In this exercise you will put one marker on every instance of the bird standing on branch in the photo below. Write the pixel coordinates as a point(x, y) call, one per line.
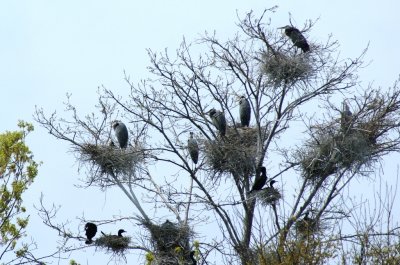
point(90, 232)
point(297, 38)
point(260, 180)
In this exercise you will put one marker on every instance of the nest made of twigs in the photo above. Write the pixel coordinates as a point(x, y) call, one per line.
point(269, 196)
point(235, 153)
point(332, 149)
point(111, 158)
point(171, 241)
point(307, 226)
point(117, 244)
point(280, 67)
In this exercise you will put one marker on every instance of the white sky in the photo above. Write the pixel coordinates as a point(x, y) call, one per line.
point(49, 48)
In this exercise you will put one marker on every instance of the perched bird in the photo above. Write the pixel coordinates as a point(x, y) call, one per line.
point(91, 230)
point(121, 132)
point(297, 38)
point(271, 183)
point(120, 232)
point(193, 148)
point(346, 117)
point(244, 111)
point(218, 119)
point(192, 257)
point(261, 178)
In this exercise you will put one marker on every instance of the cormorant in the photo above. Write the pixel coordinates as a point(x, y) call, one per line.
point(272, 182)
point(91, 230)
point(346, 117)
point(261, 178)
point(121, 132)
point(218, 119)
point(193, 148)
point(192, 257)
point(297, 38)
point(120, 232)
point(244, 111)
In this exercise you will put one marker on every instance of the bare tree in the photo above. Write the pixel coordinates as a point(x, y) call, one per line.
point(276, 225)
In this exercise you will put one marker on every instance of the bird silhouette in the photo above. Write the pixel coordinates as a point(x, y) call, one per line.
point(297, 38)
point(121, 132)
point(192, 257)
point(218, 119)
point(244, 111)
point(260, 180)
point(90, 232)
point(193, 148)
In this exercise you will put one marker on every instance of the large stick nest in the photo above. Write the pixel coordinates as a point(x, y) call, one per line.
point(170, 241)
point(334, 147)
point(285, 68)
point(106, 159)
point(235, 153)
point(116, 244)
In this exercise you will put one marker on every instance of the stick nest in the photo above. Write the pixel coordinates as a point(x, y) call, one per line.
point(235, 153)
point(280, 67)
point(307, 227)
point(112, 159)
point(116, 244)
point(269, 196)
point(171, 241)
point(331, 150)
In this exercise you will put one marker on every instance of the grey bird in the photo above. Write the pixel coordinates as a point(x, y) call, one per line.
point(193, 148)
point(244, 111)
point(260, 180)
point(346, 117)
point(297, 38)
point(218, 119)
point(121, 132)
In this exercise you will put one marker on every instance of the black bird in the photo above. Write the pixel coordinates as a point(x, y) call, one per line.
point(121, 132)
point(91, 230)
point(244, 111)
point(218, 119)
point(261, 178)
point(297, 38)
point(120, 232)
point(192, 257)
point(193, 148)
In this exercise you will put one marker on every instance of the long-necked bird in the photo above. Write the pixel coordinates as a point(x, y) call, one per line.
point(260, 180)
point(297, 38)
point(218, 119)
point(121, 132)
point(346, 117)
point(193, 148)
point(244, 111)
point(90, 232)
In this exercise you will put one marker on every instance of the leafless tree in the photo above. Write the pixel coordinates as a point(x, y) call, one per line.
point(287, 90)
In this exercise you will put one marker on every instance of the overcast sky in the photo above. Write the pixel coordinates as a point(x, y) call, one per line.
point(50, 48)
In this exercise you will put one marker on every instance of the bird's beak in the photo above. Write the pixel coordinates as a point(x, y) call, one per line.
point(281, 27)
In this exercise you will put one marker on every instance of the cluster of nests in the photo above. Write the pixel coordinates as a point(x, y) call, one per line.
point(347, 144)
point(171, 242)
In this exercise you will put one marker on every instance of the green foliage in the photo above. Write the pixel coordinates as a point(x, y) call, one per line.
point(17, 172)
